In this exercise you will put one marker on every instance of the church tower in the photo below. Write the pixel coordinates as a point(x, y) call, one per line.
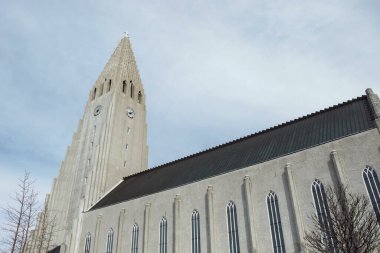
point(110, 143)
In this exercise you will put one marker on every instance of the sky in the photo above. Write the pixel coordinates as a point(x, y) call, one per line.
point(213, 71)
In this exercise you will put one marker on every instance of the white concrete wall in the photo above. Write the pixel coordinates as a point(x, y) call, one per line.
point(355, 152)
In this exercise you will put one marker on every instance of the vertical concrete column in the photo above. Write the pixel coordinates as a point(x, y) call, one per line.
point(120, 229)
point(211, 219)
point(97, 233)
point(177, 217)
point(88, 196)
point(339, 170)
point(96, 174)
point(146, 227)
point(63, 248)
point(32, 239)
point(37, 232)
point(295, 207)
point(78, 230)
point(68, 242)
point(248, 195)
point(53, 195)
point(374, 103)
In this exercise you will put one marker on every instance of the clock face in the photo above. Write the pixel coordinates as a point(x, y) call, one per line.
point(97, 110)
point(130, 112)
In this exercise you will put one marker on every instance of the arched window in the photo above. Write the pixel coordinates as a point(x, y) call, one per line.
point(87, 243)
point(135, 238)
point(139, 97)
point(275, 223)
point(233, 234)
point(109, 85)
point(109, 241)
point(323, 213)
point(132, 89)
point(124, 88)
point(94, 94)
point(163, 235)
point(372, 185)
point(195, 233)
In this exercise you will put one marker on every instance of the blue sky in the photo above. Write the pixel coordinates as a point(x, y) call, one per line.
point(213, 71)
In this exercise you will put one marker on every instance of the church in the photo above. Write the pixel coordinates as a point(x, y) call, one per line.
point(253, 194)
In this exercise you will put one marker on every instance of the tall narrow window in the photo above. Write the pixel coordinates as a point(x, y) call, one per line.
point(139, 97)
point(94, 94)
point(195, 233)
point(132, 89)
point(323, 214)
point(124, 88)
point(372, 185)
point(109, 85)
point(135, 238)
point(232, 226)
point(163, 235)
point(109, 241)
point(87, 243)
point(275, 223)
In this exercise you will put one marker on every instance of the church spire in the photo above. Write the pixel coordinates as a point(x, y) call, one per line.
point(122, 62)
point(121, 67)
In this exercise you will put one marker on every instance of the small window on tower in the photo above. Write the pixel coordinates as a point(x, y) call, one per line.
point(109, 85)
point(126, 146)
point(124, 88)
point(132, 89)
point(139, 97)
point(94, 94)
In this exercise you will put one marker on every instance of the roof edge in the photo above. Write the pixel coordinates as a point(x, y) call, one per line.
point(251, 135)
point(104, 195)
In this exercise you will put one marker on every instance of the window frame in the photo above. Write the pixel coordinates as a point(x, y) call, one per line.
point(322, 212)
point(109, 243)
point(135, 238)
point(373, 188)
point(87, 243)
point(232, 228)
point(195, 232)
point(163, 236)
point(275, 224)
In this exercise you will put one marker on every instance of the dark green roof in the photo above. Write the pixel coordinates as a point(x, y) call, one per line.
point(333, 123)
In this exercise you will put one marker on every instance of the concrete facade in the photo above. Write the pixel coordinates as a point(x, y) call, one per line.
point(290, 177)
point(110, 144)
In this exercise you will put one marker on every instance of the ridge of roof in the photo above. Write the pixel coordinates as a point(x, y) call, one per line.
point(250, 136)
